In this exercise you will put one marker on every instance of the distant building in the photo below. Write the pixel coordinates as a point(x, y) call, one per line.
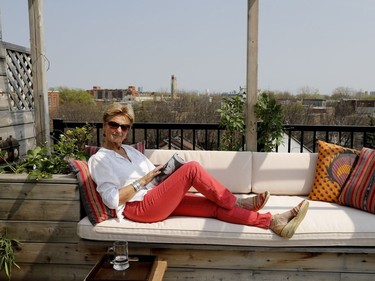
point(365, 107)
point(53, 102)
point(314, 102)
point(112, 95)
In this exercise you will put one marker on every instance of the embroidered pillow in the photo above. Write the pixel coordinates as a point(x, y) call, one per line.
point(359, 191)
point(92, 202)
point(332, 171)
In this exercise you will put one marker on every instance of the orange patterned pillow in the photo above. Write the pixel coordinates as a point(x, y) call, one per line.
point(332, 171)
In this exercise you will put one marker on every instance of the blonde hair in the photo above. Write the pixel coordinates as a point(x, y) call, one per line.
point(118, 109)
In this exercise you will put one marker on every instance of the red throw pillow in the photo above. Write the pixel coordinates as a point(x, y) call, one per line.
point(92, 202)
point(359, 190)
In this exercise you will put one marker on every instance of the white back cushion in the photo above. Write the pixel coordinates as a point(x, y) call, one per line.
point(231, 168)
point(283, 173)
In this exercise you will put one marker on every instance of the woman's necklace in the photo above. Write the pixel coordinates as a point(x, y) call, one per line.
point(123, 153)
point(120, 150)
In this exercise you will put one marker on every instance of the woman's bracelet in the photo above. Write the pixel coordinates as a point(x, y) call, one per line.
point(137, 185)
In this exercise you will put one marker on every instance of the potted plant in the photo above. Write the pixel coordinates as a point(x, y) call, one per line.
point(41, 163)
point(7, 257)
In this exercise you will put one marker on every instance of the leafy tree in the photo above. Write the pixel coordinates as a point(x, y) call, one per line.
point(232, 118)
point(270, 126)
point(342, 93)
point(74, 95)
point(294, 113)
point(77, 104)
point(309, 93)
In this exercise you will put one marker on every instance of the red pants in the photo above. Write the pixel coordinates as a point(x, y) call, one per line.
point(171, 198)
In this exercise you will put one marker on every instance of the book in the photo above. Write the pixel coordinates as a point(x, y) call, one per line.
point(172, 165)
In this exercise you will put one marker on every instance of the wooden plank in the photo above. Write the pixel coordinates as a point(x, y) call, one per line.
point(50, 272)
point(65, 253)
point(47, 232)
point(39, 210)
point(357, 277)
point(215, 259)
point(158, 271)
point(177, 274)
point(20, 132)
point(17, 48)
point(57, 272)
point(13, 118)
point(32, 190)
point(306, 249)
point(256, 260)
point(23, 178)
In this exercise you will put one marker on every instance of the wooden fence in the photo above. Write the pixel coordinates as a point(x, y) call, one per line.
point(16, 96)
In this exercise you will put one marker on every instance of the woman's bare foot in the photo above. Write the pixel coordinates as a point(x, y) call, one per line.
point(253, 203)
point(286, 224)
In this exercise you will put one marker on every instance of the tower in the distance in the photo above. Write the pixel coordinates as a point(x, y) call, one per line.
point(173, 87)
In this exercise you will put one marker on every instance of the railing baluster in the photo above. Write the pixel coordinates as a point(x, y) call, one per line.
point(289, 140)
point(157, 139)
point(364, 139)
point(352, 139)
point(194, 140)
point(314, 141)
point(302, 140)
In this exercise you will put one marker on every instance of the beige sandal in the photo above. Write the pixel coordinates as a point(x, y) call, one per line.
point(254, 203)
point(287, 230)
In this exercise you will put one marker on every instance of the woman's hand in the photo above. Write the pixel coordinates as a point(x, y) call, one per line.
point(127, 192)
point(150, 175)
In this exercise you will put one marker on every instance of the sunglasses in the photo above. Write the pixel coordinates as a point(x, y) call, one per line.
point(115, 125)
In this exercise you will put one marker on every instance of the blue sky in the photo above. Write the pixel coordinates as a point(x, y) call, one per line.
point(318, 45)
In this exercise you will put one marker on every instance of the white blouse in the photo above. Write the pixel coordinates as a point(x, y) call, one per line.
point(111, 172)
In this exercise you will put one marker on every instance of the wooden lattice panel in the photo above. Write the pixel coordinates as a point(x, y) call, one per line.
point(18, 68)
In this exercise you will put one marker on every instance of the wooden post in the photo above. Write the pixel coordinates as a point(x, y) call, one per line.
point(38, 60)
point(252, 74)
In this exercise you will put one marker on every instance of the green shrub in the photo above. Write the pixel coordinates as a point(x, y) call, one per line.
point(40, 162)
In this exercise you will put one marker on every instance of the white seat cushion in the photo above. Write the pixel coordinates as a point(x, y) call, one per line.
point(326, 224)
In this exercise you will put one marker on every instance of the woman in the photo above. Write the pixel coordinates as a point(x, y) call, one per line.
point(121, 172)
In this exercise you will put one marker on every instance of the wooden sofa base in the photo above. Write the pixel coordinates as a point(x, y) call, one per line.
point(204, 262)
point(197, 262)
point(44, 217)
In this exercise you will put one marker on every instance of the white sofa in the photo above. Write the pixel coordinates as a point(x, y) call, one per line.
point(288, 176)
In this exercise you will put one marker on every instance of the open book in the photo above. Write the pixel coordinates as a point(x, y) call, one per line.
point(169, 168)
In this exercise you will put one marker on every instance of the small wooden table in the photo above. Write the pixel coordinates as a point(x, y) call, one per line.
point(142, 268)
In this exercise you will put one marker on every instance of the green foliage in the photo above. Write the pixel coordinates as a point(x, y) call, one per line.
point(74, 96)
point(270, 126)
point(41, 163)
point(7, 258)
point(232, 118)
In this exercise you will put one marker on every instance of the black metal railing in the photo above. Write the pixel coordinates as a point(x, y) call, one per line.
point(348, 136)
point(208, 136)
